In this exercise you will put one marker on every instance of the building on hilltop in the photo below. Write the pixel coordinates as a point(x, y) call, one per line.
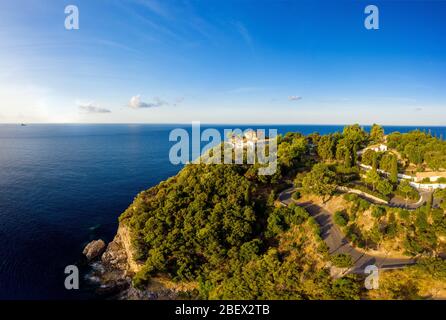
point(249, 138)
point(377, 148)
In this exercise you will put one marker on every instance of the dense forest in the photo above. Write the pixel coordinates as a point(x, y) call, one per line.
point(420, 148)
point(211, 224)
point(411, 232)
point(220, 226)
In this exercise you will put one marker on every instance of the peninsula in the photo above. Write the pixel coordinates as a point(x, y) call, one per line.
point(337, 204)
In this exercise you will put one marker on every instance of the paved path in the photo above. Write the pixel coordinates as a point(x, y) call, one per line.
point(394, 202)
point(424, 197)
point(336, 241)
point(362, 194)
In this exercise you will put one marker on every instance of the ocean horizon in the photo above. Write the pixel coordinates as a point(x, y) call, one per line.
point(62, 186)
point(244, 124)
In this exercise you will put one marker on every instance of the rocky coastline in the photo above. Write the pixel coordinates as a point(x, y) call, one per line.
point(112, 268)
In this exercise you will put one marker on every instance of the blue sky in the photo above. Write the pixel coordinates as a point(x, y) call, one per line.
point(215, 61)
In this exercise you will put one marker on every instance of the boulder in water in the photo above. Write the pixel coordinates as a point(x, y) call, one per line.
point(94, 249)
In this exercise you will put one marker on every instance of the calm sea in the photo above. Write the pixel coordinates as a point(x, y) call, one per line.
point(62, 186)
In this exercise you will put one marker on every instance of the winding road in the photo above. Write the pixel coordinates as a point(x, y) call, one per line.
point(338, 244)
point(424, 197)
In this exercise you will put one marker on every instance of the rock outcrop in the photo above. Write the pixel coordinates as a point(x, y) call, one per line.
point(114, 271)
point(94, 249)
point(120, 253)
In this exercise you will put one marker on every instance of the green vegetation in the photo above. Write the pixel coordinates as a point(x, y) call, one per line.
point(340, 218)
point(424, 280)
point(393, 170)
point(440, 194)
point(296, 195)
point(384, 187)
point(407, 191)
point(376, 133)
point(368, 190)
point(342, 260)
point(212, 225)
point(320, 181)
point(218, 226)
point(420, 148)
point(411, 232)
point(372, 178)
point(327, 147)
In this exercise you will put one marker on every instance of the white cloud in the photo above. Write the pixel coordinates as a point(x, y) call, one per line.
point(294, 98)
point(92, 108)
point(136, 103)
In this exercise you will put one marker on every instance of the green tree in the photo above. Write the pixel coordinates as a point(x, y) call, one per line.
point(340, 218)
point(342, 260)
point(348, 159)
point(346, 288)
point(367, 157)
point(355, 154)
point(377, 133)
point(290, 153)
point(405, 188)
point(372, 178)
point(354, 134)
point(375, 161)
point(320, 181)
point(384, 187)
point(326, 147)
point(341, 150)
point(394, 170)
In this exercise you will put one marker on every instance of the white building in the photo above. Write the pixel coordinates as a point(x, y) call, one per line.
point(377, 148)
point(249, 138)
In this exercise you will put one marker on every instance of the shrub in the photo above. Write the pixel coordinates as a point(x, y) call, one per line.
point(353, 233)
point(340, 218)
point(378, 212)
point(384, 187)
point(426, 180)
point(346, 288)
point(342, 260)
point(441, 180)
point(280, 219)
point(369, 191)
point(405, 190)
point(404, 214)
point(350, 197)
point(296, 195)
point(436, 267)
point(142, 278)
point(363, 205)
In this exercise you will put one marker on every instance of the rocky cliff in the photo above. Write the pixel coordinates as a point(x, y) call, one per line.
point(113, 270)
point(119, 254)
point(116, 267)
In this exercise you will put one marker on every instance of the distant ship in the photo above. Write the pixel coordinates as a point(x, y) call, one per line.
point(23, 125)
